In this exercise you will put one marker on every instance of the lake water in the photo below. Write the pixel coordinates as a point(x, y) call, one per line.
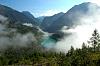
point(48, 42)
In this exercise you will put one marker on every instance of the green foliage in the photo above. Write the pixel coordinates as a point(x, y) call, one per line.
point(94, 40)
point(36, 56)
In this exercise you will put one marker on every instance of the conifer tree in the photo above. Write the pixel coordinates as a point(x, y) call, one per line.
point(94, 40)
point(84, 47)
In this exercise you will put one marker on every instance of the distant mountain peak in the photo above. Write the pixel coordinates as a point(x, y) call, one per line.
point(47, 21)
point(14, 15)
point(87, 3)
point(71, 16)
point(27, 12)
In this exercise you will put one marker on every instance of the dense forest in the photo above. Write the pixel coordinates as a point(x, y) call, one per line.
point(88, 55)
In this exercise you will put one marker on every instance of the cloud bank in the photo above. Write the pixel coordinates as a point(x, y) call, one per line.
point(9, 36)
point(94, 1)
point(81, 32)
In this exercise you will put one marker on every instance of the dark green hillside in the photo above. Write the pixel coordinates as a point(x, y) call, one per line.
point(86, 56)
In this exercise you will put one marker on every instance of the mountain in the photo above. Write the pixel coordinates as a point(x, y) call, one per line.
point(40, 19)
point(70, 18)
point(14, 15)
point(29, 15)
point(47, 21)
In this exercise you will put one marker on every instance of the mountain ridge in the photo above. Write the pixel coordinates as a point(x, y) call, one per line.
point(70, 18)
point(14, 15)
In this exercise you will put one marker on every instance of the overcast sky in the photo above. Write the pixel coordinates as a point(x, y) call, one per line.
point(43, 7)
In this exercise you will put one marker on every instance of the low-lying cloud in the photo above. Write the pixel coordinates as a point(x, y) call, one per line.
point(9, 36)
point(81, 32)
point(95, 1)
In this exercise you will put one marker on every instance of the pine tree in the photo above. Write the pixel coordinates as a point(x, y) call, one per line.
point(94, 40)
point(71, 51)
point(84, 48)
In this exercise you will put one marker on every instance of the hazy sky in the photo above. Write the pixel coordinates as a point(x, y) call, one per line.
point(43, 7)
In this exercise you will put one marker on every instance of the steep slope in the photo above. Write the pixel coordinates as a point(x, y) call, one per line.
point(15, 16)
point(70, 18)
point(29, 15)
point(40, 19)
point(49, 20)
